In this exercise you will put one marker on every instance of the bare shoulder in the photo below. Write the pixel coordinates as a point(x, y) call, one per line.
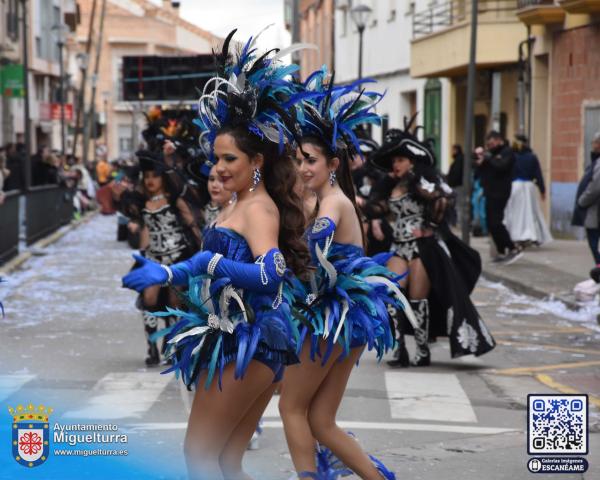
point(260, 213)
point(260, 218)
point(262, 205)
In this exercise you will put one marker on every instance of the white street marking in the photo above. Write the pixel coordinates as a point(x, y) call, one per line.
point(272, 410)
point(9, 384)
point(351, 425)
point(122, 394)
point(428, 396)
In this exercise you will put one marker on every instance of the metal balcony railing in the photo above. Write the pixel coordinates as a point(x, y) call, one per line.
point(533, 3)
point(442, 16)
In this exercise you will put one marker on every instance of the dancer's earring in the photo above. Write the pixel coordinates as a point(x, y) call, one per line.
point(332, 177)
point(255, 179)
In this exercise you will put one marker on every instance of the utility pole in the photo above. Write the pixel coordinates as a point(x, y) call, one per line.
point(296, 29)
point(88, 121)
point(81, 96)
point(467, 166)
point(27, 125)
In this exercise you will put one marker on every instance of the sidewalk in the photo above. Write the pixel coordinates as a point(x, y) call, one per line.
point(549, 271)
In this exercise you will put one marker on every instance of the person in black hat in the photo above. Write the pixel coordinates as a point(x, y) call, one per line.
point(169, 235)
point(414, 199)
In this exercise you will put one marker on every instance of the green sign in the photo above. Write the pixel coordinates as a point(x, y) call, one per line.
point(12, 81)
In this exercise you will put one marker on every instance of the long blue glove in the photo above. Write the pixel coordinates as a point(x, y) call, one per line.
point(152, 273)
point(264, 276)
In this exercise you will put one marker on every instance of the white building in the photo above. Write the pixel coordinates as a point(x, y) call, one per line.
point(386, 58)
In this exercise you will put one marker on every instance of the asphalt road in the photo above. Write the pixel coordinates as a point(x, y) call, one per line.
point(72, 340)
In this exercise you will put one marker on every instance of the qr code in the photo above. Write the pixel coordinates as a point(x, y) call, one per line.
point(557, 424)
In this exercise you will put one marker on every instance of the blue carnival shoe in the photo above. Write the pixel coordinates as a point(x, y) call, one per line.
point(330, 467)
point(382, 469)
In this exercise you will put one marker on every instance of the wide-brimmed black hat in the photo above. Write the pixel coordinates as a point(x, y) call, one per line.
point(151, 161)
point(401, 143)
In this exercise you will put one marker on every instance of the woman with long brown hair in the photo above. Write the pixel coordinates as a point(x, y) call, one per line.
point(345, 304)
point(236, 338)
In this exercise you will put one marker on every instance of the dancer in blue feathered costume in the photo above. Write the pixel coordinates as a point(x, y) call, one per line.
point(343, 306)
point(235, 337)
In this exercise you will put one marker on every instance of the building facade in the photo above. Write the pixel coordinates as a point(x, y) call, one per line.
point(387, 59)
point(46, 20)
point(440, 47)
point(132, 28)
point(565, 111)
point(316, 26)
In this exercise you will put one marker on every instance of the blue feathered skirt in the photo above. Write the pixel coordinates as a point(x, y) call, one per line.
point(346, 302)
point(223, 324)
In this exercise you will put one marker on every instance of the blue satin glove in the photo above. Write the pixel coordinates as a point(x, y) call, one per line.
point(149, 273)
point(264, 276)
point(192, 267)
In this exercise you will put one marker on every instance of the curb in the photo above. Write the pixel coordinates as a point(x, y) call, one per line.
point(530, 290)
point(16, 262)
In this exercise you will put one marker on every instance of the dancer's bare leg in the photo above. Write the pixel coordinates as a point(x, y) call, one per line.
point(419, 285)
point(322, 413)
point(399, 266)
point(231, 456)
point(300, 385)
point(216, 414)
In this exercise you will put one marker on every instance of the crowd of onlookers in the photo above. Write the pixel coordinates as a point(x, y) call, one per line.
point(49, 167)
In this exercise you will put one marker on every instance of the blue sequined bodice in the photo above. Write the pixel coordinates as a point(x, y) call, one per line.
point(228, 243)
point(346, 250)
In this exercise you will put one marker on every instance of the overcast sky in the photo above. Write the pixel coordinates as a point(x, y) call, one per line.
point(248, 16)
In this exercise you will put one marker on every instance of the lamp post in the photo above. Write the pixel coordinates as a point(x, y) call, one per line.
point(360, 15)
point(27, 126)
point(82, 62)
point(105, 99)
point(60, 32)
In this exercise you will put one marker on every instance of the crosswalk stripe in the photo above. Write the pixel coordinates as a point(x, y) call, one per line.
point(122, 395)
point(351, 425)
point(428, 396)
point(272, 410)
point(10, 384)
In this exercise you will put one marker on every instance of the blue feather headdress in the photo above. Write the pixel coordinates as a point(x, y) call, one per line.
point(250, 91)
point(333, 112)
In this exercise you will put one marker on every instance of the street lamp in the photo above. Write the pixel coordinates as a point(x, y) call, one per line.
point(360, 16)
point(82, 60)
point(60, 31)
point(105, 98)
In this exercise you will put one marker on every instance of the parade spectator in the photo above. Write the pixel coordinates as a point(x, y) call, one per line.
point(455, 173)
point(4, 173)
point(44, 170)
point(103, 172)
point(14, 163)
point(587, 199)
point(494, 167)
point(454, 179)
point(523, 215)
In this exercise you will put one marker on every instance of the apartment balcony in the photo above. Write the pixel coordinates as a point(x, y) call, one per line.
point(540, 12)
point(580, 6)
point(441, 37)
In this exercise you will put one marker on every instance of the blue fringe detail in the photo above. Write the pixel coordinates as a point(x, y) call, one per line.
point(367, 319)
point(329, 467)
point(381, 468)
point(268, 335)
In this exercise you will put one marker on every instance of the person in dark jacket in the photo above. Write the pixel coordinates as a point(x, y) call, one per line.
point(455, 173)
point(14, 162)
point(495, 169)
point(588, 200)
